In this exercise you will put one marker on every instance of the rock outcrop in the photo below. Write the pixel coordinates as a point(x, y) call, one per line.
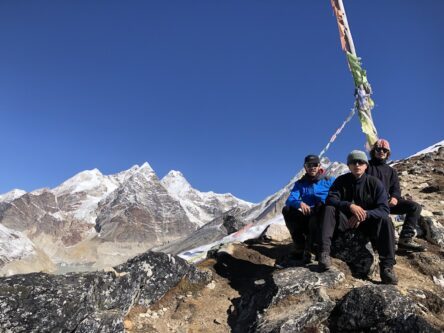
point(90, 302)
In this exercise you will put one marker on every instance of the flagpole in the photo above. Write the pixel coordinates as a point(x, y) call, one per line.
point(364, 103)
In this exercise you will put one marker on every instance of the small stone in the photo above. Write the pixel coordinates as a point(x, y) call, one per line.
point(211, 285)
point(426, 213)
point(128, 324)
point(216, 321)
point(260, 282)
point(404, 173)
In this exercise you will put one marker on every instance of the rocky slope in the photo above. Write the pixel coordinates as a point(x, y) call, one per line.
point(250, 286)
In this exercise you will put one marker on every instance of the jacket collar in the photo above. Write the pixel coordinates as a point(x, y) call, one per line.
point(377, 161)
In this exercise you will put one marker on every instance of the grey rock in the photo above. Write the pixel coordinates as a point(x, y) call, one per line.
point(378, 308)
point(434, 231)
point(89, 302)
point(232, 223)
point(312, 319)
point(354, 248)
point(276, 232)
point(303, 283)
point(298, 280)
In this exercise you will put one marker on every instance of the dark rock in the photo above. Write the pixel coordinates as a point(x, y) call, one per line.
point(379, 309)
point(431, 189)
point(298, 280)
point(439, 171)
point(303, 285)
point(89, 302)
point(354, 248)
point(232, 223)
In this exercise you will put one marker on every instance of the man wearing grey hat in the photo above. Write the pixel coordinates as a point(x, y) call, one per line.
point(359, 201)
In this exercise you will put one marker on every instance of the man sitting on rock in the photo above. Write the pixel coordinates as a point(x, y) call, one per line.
point(359, 201)
point(304, 207)
point(378, 167)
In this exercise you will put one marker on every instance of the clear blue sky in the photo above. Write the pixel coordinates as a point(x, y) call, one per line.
point(232, 93)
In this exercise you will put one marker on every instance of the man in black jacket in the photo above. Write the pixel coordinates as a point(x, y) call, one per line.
point(357, 200)
point(378, 167)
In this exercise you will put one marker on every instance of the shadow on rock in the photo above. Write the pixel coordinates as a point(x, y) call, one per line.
point(254, 284)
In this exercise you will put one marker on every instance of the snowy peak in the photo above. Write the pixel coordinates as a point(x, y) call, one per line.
point(11, 195)
point(176, 183)
point(200, 207)
point(83, 181)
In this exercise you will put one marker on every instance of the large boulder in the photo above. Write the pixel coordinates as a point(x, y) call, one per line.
point(379, 309)
point(353, 247)
point(89, 302)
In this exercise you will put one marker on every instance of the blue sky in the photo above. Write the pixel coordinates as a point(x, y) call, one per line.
point(232, 93)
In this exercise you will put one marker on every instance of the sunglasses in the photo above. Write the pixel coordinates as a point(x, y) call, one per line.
point(311, 165)
point(381, 150)
point(358, 162)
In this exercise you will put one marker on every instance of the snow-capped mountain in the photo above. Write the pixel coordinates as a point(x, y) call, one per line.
point(141, 210)
point(200, 207)
point(11, 195)
point(131, 207)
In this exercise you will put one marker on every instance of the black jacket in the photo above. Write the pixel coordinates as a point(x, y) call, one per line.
point(387, 175)
point(366, 192)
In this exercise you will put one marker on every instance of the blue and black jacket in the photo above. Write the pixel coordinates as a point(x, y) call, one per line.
point(311, 191)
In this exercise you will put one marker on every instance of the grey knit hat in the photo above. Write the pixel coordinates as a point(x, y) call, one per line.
point(357, 155)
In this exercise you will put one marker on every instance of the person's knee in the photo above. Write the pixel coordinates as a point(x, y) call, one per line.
point(285, 210)
point(329, 210)
point(416, 207)
point(387, 225)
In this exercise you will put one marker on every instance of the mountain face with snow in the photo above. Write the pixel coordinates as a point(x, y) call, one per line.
point(200, 207)
point(11, 195)
point(131, 207)
point(141, 210)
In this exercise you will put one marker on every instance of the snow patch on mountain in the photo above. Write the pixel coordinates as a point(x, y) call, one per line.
point(430, 149)
point(11, 195)
point(14, 245)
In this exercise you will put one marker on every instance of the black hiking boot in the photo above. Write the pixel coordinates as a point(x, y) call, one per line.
point(388, 275)
point(307, 257)
point(410, 244)
point(324, 261)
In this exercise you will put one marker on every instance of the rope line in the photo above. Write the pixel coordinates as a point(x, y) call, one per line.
point(338, 131)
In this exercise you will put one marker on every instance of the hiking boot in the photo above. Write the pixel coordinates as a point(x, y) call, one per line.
point(307, 257)
point(388, 275)
point(324, 261)
point(410, 244)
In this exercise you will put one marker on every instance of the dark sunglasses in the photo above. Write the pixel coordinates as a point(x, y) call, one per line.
point(381, 150)
point(358, 162)
point(311, 165)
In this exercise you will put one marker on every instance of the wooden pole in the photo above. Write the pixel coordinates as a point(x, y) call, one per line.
point(351, 45)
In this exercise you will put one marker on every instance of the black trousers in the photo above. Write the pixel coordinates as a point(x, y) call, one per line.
point(380, 231)
point(304, 229)
point(412, 211)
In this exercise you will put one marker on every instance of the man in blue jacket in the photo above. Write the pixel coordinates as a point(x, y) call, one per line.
point(357, 200)
point(304, 207)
